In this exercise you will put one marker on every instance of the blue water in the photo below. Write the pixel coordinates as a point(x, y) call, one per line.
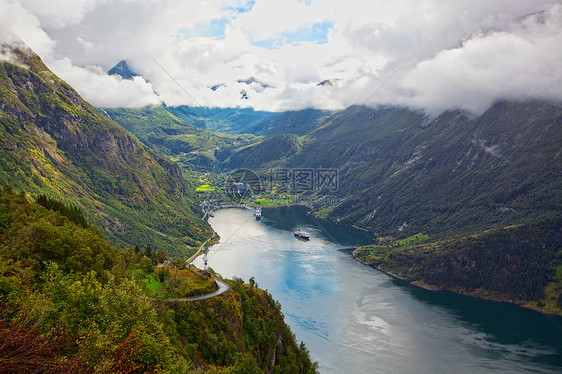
point(355, 319)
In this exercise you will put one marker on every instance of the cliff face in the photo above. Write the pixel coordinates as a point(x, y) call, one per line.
point(56, 143)
point(247, 322)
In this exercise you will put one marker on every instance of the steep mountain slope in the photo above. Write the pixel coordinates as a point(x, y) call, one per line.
point(401, 173)
point(486, 192)
point(193, 147)
point(269, 151)
point(53, 142)
point(72, 303)
point(299, 122)
point(249, 121)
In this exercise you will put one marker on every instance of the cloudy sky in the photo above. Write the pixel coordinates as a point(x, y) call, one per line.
point(273, 54)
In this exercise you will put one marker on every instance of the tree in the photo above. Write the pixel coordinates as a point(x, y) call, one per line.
point(160, 256)
point(137, 250)
point(148, 252)
point(146, 265)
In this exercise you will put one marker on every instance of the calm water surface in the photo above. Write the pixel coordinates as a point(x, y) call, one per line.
point(355, 319)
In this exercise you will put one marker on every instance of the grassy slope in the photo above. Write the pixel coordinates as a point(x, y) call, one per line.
point(224, 120)
point(53, 142)
point(273, 149)
point(300, 122)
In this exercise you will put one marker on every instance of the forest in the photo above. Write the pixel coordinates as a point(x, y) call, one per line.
point(71, 302)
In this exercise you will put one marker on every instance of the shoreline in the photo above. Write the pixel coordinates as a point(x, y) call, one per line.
point(429, 287)
point(419, 284)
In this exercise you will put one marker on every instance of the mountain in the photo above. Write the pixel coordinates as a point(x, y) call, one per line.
point(123, 70)
point(53, 142)
point(486, 193)
point(171, 131)
point(72, 303)
point(195, 148)
point(250, 121)
point(225, 120)
point(299, 122)
point(263, 153)
point(400, 172)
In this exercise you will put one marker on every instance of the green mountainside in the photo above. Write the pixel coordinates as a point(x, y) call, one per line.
point(72, 303)
point(193, 147)
point(269, 151)
point(249, 121)
point(182, 134)
point(225, 120)
point(299, 122)
point(52, 142)
point(400, 173)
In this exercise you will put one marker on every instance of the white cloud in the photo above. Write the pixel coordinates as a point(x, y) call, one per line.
point(104, 90)
point(460, 53)
point(522, 63)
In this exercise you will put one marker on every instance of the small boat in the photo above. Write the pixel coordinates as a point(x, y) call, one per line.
point(258, 213)
point(302, 235)
point(211, 213)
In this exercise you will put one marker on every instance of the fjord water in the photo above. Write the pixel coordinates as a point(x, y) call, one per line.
point(355, 319)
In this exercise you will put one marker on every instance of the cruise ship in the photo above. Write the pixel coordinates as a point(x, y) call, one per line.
point(302, 235)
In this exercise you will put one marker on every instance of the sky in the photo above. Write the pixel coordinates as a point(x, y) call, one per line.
point(276, 55)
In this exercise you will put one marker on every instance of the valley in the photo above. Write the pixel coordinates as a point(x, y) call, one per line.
point(460, 202)
point(485, 191)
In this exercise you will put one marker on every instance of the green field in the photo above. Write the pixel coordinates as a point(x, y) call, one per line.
point(150, 281)
point(205, 187)
point(414, 239)
point(270, 202)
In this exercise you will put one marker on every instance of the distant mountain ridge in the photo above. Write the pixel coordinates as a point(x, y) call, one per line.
point(203, 139)
point(195, 148)
point(55, 143)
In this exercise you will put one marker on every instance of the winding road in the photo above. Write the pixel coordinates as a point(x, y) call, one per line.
point(223, 287)
point(200, 249)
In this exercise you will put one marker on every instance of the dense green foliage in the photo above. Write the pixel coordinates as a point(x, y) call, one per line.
point(514, 264)
point(258, 155)
point(54, 143)
point(70, 302)
point(246, 322)
point(71, 212)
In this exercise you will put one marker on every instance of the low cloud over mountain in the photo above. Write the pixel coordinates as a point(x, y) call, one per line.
point(429, 54)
